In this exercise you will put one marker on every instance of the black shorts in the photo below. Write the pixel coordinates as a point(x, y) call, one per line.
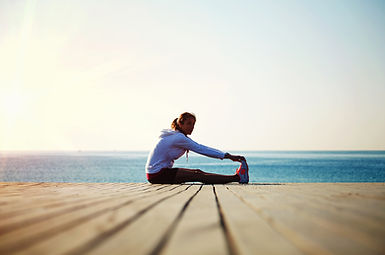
point(164, 176)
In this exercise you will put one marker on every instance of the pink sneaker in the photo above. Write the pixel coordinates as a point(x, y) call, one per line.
point(243, 172)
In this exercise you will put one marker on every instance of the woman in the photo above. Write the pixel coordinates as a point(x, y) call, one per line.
point(173, 143)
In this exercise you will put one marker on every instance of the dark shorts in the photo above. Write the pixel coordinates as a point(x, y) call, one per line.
point(164, 176)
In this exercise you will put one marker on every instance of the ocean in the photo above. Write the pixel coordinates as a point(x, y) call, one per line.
point(128, 166)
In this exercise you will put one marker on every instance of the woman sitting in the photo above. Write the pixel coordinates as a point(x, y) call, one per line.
point(173, 143)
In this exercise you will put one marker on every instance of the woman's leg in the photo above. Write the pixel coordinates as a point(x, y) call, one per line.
point(197, 175)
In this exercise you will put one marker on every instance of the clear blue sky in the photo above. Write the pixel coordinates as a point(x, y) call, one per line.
point(259, 75)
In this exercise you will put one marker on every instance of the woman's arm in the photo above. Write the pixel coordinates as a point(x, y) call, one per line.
point(189, 144)
point(185, 142)
point(234, 157)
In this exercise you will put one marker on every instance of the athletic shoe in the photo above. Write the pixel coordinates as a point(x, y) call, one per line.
point(243, 172)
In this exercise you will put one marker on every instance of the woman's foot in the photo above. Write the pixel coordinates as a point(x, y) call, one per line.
point(243, 172)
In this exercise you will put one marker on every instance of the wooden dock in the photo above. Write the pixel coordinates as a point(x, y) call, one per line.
point(140, 218)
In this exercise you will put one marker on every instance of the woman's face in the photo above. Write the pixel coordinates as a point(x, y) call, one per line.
point(188, 126)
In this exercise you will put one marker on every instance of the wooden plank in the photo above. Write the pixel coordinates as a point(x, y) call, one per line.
point(323, 198)
point(60, 193)
point(29, 196)
point(200, 222)
point(329, 195)
point(109, 223)
point(53, 198)
point(41, 230)
point(361, 228)
point(42, 213)
point(249, 233)
point(147, 234)
point(370, 213)
point(43, 209)
point(119, 218)
point(304, 244)
point(359, 193)
point(354, 199)
point(289, 215)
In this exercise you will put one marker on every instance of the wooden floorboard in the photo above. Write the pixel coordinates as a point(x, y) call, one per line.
point(312, 226)
point(249, 233)
point(42, 212)
point(92, 228)
point(50, 225)
point(149, 233)
point(199, 231)
point(141, 218)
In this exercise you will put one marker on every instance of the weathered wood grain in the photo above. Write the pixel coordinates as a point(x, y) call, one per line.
point(41, 211)
point(95, 228)
point(305, 221)
point(141, 218)
point(47, 227)
point(250, 234)
point(149, 233)
point(199, 230)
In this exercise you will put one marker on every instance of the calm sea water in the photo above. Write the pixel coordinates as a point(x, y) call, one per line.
point(265, 166)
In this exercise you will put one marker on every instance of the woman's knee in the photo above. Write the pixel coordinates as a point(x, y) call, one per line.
point(198, 171)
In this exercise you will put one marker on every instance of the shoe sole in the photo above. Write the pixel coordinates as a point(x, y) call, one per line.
point(247, 172)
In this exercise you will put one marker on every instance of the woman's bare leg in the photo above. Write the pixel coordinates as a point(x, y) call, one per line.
point(197, 175)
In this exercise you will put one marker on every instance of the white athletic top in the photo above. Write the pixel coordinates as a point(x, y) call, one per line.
point(171, 146)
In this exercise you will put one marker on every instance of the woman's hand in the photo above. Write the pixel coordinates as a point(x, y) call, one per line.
point(235, 157)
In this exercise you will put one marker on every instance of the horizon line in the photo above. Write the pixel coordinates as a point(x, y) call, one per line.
point(235, 150)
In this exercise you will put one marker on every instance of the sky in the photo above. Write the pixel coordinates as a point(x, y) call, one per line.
point(259, 75)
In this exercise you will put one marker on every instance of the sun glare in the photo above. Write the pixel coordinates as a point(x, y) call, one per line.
point(12, 103)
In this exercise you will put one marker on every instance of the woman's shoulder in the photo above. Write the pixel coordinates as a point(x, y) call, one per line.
point(170, 132)
point(175, 135)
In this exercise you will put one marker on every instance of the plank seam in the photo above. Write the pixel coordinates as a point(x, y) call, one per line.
point(166, 237)
point(320, 250)
point(33, 220)
point(95, 242)
point(27, 242)
point(53, 204)
point(230, 242)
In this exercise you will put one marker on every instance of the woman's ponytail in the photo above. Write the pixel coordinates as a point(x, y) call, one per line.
point(174, 124)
